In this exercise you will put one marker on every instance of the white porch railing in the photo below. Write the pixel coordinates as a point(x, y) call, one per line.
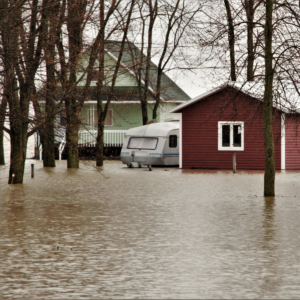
point(61, 147)
point(111, 137)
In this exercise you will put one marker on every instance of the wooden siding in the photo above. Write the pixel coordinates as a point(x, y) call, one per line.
point(292, 142)
point(200, 132)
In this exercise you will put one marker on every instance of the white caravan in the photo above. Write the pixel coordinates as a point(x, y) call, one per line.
point(156, 144)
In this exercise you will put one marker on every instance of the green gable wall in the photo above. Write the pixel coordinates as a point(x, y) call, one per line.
point(128, 115)
point(125, 78)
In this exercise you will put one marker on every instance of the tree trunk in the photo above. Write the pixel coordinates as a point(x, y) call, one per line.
point(101, 118)
point(249, 5)
point(2, 119)
point(231, 40)
point(269, 179)
point(2, 154)
point(17, 158)
point(158, 90)
point(47, 134)
point(100, 145)
point(48, 138)
point(144, 111)
point(48, 145)
point(72, 146)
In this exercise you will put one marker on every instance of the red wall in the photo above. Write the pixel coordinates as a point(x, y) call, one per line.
point(292, 142)
point(200, 132)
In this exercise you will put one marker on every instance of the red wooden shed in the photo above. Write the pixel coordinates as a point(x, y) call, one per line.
point(229, 119)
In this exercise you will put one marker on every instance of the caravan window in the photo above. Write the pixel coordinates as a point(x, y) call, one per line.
point(173, 141)
point(142, 143)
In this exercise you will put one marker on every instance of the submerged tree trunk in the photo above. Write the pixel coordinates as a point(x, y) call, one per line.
point(2, 120)
point(100, 139)
point(73, 125)
point(269, 179)
point(2, 154)
point(17, 153)
point(48, 133)
point(72, 146)
point(48, 145)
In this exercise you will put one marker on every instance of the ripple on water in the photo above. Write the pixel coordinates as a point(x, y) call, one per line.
point(123, 233)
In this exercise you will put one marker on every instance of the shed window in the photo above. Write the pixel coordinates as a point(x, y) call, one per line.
point(231, 136)
point(225, 135)
point(173, 141)
point(142, 143)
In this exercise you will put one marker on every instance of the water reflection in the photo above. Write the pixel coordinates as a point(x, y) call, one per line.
point(270, 265)
point(268, 223)
point(130, 233)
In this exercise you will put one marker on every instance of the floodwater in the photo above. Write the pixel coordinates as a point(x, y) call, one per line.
point(131, 233)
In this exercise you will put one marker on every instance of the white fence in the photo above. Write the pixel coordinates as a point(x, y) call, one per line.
point(111, 137)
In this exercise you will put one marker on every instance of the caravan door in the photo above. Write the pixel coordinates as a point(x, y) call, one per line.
point(171, 151)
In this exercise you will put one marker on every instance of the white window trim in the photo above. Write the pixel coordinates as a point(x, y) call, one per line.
point(231, 148)
point(283, 141)
point(112, 118)
point(180, 140)
point(93, 108)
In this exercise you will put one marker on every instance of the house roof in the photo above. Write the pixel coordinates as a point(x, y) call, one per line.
point(170, 91)
point(130, 60)
point(286, 95)
point(153, 129)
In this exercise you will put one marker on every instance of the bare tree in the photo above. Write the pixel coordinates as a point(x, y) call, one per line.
point(22, 39)
point(47, 133)
point(163, 29)
point(102, 111)
point(72, 70)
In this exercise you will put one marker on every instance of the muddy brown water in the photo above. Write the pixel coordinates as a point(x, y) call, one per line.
point(131, 233)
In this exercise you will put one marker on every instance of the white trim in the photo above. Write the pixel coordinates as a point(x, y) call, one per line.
point(283, 141)
point(128, 102)
point(112, 118)
point(180, 140)
point(93, 109)
point(231, 147)
point(239, 87)
point(189, 102)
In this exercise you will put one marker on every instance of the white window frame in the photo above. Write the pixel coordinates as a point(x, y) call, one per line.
point(230, 148)
point(112, 118)
point(93, 108)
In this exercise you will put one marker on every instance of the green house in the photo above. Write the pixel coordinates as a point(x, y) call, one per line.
point(125, 108)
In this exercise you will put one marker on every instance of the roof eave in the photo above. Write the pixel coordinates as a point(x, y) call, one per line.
point(198, 98)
